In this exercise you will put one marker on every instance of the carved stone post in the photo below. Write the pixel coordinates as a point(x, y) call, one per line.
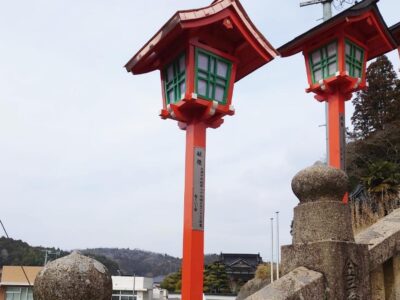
point(323, 238)
point(377, 284)
point(74, 277)
point(396, 273)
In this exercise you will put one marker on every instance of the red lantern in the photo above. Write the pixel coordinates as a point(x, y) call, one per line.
point(336, 53)
point(201, 53)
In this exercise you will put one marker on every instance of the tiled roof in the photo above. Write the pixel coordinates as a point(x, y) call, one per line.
point(145, 60)
point(296, 44)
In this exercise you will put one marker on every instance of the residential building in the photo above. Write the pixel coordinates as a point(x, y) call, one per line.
point(17, 283)
point(240, 267)
point(123, 287)
point(160, 294)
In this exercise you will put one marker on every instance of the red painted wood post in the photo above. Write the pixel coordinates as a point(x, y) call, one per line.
point(337, 139)
point(193, 228)
point(337, 132)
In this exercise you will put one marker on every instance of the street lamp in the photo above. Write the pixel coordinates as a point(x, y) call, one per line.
point(200, 54)
point(336, 53)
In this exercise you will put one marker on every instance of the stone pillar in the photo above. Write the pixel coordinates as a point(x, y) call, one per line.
point(377, 284)
point(323, 238)
point(389, 279)
point(73, 277)
point(396, 273)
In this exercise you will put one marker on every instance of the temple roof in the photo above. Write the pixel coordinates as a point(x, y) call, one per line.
point(243, 39)
point(232, 259)
point(379, 33)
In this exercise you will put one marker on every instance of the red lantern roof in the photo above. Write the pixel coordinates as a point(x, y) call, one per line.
point(363, 21)
point(224, 25)
point(395, 30)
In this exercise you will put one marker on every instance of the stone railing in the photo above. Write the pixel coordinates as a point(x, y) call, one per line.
point(383, 240)
point(300, 283)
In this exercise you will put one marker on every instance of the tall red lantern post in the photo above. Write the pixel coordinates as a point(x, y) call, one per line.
point(200, 53)
point(336, 53)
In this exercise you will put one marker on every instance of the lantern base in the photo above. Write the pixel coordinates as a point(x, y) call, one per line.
point(193, 108)
point(342, 82)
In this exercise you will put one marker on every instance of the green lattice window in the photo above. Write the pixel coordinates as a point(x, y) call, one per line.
point(212, 76)
point(354, 59)
point(175, 80)
point(324, 62)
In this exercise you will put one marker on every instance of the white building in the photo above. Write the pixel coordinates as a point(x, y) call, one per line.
point(123, 288)
point(160, 294)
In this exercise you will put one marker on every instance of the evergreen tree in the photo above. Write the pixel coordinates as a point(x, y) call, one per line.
point(216, 279)
point(379, 104)
point(172, 282)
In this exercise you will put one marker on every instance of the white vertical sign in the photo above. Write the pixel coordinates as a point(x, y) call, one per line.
point(198, 188)
point(342, 137)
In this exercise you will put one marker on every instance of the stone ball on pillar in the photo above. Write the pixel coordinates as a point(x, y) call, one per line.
point(73, 277)
point(320, 183)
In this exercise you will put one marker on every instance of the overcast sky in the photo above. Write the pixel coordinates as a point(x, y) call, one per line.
point(85, 161)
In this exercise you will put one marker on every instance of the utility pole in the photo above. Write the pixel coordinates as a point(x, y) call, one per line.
point(277, 246)
point(327, 14)
point(134, 283)
point(49, 252)
point(272, 250)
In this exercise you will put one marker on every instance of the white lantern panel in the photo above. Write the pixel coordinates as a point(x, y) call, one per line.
point(316, 57)
point(332, 68)
point(202, 87)
point(202, 61)
point(219, 93)
point(222, 69)
point(317, 75)
point(170, 73)
point(182, 87)
point(332, 49)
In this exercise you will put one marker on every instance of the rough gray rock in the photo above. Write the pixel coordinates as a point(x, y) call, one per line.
point(251, 286)
point(74, 277)
point(301, 283)
point(320, 183)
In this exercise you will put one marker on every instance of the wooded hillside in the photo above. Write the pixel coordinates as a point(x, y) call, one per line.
point(373, 153)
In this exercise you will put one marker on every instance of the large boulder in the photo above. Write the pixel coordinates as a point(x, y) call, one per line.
point(73, 277)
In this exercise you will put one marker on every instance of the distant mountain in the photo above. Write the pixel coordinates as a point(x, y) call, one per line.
point(139, 262)
point(118, 261)
point(18, 253)
point(144, 263)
